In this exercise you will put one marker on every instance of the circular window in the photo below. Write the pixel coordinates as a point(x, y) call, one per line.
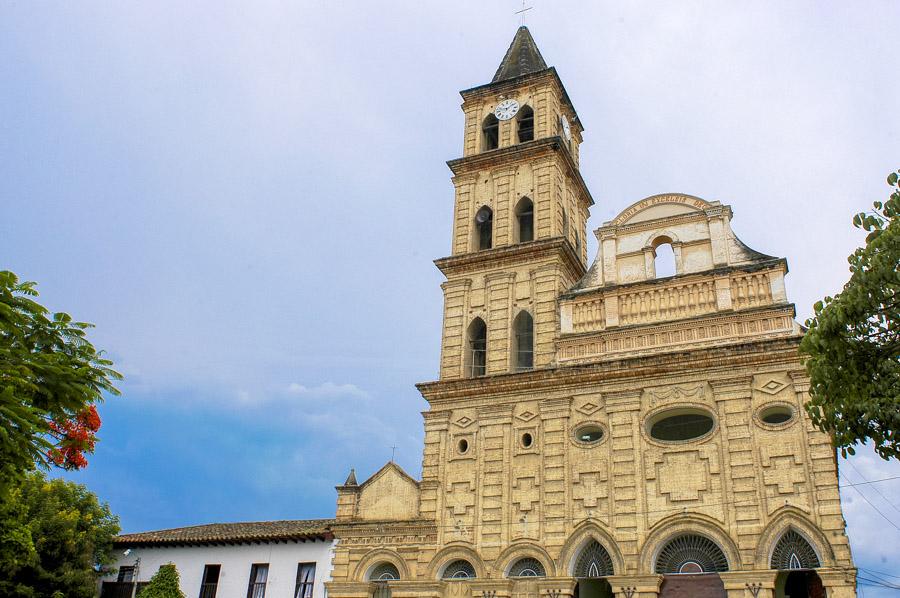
point(681, 424)
point(776, 415)
point(462, 446)
point(527, 440)
point(589, 433)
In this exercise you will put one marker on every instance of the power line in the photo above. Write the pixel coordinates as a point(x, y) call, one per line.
point(886, 499)
point(880, 572)
point(870, 503)
point(849, 484)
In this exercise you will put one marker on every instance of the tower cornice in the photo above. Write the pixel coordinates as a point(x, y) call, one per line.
point(532, 251)
point(515, 154)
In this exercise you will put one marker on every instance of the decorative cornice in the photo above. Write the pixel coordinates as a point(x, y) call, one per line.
point(521, 152)
point(513, 255)
point(723, 358)
point(612, 289)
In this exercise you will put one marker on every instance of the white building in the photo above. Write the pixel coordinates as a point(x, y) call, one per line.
point(267, 559)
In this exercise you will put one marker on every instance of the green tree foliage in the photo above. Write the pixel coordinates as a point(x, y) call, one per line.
point(62, 533)
point(164, 584)
point(50, 379)
point(853, 342)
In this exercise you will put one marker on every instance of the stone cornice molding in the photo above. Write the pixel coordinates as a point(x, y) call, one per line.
point(610, 290)
point(511, 255)
point(711, 360)
point(521, 152)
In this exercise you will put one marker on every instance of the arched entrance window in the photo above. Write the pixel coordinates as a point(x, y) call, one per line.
point(523, 342)
point(525, 220)
point(690, 553)
point(460, 569)
point(490, 133)
point(476, 349)
point(793, 552)
point(484, 228)
point(384, 572)
point(381, 574)
point(526, 124)
point(527, 567)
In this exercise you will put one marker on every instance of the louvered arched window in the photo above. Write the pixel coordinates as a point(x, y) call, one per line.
point(527, 567)
point(593, 561)
point(690, 553)
point(794, 552)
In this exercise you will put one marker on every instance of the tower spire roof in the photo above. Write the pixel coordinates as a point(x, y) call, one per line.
point(522, 57)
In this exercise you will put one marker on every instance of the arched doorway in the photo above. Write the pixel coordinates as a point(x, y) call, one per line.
point(591, 567)
point(795, 558)
point(799, 584)
point(691, 564)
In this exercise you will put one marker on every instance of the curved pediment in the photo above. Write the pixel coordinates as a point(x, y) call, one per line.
point(665, 205)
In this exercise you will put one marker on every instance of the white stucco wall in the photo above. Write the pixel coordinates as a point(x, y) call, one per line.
point(235, 561)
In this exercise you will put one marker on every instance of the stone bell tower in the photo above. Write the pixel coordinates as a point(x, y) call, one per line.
point(520, 215)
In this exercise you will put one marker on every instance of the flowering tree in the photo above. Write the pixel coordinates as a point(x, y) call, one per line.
point(51, 378)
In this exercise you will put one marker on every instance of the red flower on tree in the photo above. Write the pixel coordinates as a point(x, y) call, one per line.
point(75, 437)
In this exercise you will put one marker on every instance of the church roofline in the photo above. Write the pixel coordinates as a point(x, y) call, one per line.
point(517, 153)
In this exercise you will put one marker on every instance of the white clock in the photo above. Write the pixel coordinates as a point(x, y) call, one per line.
point(506, 109)
point(565, 127)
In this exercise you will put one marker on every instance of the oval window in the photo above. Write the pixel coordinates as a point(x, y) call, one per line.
point(463, 446)
point(778, 414)
point(527, 440)
point(589, 433)
point(672, 426)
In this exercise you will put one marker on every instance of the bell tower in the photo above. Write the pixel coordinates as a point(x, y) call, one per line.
point(520, 218)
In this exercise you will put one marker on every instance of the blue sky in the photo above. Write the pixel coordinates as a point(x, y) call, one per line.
point(246, 199)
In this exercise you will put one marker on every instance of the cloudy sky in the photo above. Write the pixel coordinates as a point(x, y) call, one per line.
point(246, 199)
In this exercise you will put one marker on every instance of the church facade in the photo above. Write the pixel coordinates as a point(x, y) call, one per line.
point(598, 428)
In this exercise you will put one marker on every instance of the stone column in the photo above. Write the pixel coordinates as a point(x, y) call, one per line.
point(498, 298)
point(456, 301)
point(626, 502)
point(607, 237)
point(555, 424)
point(733, 398)
point(717, 217)
point(546, 291)
point(838, 583)
point(635, 586)
point(749, 584)
point(493, 429)
point(463, 214)
point(504, 186)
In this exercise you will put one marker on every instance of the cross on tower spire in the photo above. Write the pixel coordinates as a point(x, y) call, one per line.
point(522, 13)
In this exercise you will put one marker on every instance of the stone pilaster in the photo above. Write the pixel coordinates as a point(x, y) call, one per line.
point(733, 398)
point(624, 409)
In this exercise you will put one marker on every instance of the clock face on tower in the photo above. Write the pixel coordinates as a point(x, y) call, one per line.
point(506, 109)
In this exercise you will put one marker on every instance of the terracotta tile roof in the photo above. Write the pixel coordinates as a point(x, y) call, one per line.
point(229, 533)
